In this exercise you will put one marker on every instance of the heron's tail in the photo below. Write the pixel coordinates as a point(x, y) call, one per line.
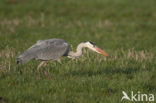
point(24, 58)
point(18, 60)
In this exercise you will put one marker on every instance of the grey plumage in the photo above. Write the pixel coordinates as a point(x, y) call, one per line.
point(51, 49)
point(54, 49)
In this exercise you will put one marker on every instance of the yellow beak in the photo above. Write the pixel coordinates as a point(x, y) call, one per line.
point(101, 51)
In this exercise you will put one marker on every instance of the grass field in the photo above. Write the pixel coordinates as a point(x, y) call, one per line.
point(125, 29)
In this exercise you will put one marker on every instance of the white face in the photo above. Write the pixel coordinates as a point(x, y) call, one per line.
point(94, 48)
point(91, 46)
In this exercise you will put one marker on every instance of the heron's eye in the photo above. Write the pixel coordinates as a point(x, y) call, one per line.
point(91, 43)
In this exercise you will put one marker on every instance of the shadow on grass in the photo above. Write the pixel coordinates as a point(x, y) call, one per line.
point(104, 71)
point(3, 100)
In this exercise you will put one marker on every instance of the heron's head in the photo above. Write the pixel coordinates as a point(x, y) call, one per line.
point(94, 48)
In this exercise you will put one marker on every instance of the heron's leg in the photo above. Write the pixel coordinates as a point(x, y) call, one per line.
point(38, 68)
point(44, 71)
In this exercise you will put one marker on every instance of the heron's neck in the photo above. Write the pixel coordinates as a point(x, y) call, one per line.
point(78, 52)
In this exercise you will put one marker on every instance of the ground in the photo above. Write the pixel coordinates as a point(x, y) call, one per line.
point(125, 29)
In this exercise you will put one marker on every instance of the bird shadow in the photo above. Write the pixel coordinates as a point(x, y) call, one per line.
point(3, 100)
point(107, 71)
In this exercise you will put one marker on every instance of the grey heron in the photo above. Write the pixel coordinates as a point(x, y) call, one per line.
point(54, 49)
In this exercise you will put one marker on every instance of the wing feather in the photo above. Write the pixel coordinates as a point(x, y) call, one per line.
point(51, 49)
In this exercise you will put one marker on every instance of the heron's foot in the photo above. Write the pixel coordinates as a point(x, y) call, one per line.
point(45, 73)
point(39, 77)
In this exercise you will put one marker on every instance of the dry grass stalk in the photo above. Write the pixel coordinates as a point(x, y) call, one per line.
point(7, 53)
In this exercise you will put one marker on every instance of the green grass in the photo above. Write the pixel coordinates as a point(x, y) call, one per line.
point(125, 29)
